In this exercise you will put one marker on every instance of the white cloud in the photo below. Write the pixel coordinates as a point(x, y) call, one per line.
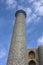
point(31, 18)
point(28, 11)
point(40, 11)
point(41, 1)
point(2, 54)
point(11, 3)
point(20, 7)
point(38, 8)
point(36, 5)
point(40, 41)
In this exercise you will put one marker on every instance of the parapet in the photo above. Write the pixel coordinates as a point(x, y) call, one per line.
point(20, 11)
point(40, 47)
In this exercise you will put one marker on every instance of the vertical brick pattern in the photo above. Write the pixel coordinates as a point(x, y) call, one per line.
point(18, 53)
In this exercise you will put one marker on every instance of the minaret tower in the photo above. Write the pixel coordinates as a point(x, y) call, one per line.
point(17, 52)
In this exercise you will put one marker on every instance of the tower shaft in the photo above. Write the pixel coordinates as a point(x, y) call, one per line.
point(17, 53)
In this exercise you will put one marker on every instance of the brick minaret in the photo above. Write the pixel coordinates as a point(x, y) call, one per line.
point(17, 53)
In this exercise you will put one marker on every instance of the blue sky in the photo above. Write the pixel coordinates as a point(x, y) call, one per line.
point(34, 24)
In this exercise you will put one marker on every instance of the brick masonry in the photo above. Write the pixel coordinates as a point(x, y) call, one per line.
point(17, 52)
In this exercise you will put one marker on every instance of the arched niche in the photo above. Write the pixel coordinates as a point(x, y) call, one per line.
point(32, 62)
point(31, 54)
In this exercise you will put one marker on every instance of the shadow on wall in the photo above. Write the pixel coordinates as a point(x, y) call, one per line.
point(32, 62)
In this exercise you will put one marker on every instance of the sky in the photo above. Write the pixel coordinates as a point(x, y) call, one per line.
point(34, 24)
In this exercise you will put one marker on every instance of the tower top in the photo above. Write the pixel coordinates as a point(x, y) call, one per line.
point(20, 11)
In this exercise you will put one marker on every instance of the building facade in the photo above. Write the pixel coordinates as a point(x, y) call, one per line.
point(35, 56)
